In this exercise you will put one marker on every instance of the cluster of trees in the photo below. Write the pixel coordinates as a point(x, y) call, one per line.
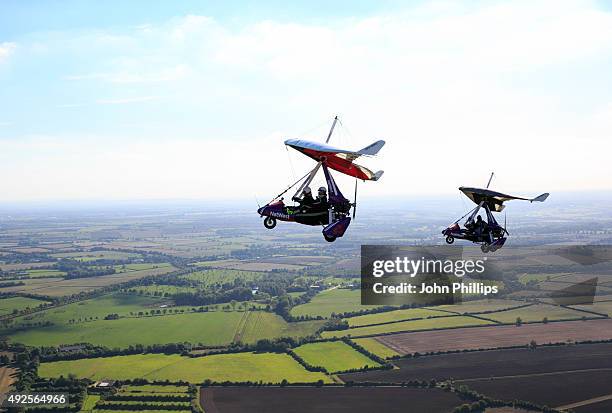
point(90, 351)
point(102, 405)
point(480, 402)
point(77, 269)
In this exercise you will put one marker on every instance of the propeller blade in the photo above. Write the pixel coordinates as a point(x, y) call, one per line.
point(355, 200)
point(506, 224)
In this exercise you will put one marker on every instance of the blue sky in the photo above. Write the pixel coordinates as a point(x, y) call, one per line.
point(150, 100)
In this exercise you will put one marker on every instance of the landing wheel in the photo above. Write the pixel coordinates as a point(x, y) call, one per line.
point(270, 222)
point(450, 239)
point(484, 248)
point(329, 238)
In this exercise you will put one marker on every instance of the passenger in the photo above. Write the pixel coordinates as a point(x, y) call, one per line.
point(481, 226)
point(321, 203)
point(306, 201)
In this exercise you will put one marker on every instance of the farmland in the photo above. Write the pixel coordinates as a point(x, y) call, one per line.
point(334, 399)
point(334, 356)
point(332, 301)
point(266, 367)
point(394, 316)
point(495, 363)
point(547, 389)
point(8, 305)
point(375, 346)
point(57, 287)
point(497, 336)
point(414, 325)
point(209, 328)
point(536, 313)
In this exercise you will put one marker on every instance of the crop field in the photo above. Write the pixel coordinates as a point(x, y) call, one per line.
point(334, 356)
point(415, 325)
point(497, 336)
point(266, 367)
point(209, 328)
point(99, 307)
point(495, 363)
point(331, 399)
point(332, 301)
point(394, 316)
point(555, 390)
point(602, 307)
point(216, 328)
point(97, 255)
point(161, 290)
point(7, 305)
point(479, 306)
point(24, 266)
point(537, 313)
point(267, 325)
point(41, 273)
point(244, 265)
point(56, 287)
point(208, 278)
point(376, 347)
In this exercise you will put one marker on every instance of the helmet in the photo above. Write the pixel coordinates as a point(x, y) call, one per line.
point(322, 190)
point(307, 190)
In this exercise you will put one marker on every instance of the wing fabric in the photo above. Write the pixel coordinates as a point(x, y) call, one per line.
point(493, 199)
point(338, 159)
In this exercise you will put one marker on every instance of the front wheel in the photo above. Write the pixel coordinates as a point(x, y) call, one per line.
point(329, 238)
point(450, 239)
point(270, 222)
point(484, 248)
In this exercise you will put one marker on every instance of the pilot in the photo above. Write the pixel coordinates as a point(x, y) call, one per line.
point(306, 200)
point(321, 201)
point(481, 226)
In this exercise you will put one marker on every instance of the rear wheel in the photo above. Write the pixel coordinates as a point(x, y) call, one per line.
point(270, 222)
point(329, 238)
point(484, 248)
point(450, 239)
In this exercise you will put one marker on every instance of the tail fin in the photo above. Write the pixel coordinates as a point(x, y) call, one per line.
point(540, 198)
point(372, 149)
point(377, 175)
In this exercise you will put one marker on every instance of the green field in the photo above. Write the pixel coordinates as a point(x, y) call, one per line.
point(376, 347)
point(90, 402)
point(218, 277)
point(118, 303)
point(415, 325)
point(266, 367)
point(152, 388)
point(479, 306)
point(334, 356)
point(391, 316)
point(88, 256)
point(332, 301)
point(42, 273)
point(209, 328)
point(537, 313)
point(7, 305)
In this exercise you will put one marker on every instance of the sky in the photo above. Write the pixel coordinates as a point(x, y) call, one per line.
point(146, 100)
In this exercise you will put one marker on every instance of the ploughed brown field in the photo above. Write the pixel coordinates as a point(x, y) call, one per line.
point(326, 399)
point(494, 363)
point(498, 336)
point(553, 390)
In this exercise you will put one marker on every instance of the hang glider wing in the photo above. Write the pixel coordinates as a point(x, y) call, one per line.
point(495, 200)
point(340, 160)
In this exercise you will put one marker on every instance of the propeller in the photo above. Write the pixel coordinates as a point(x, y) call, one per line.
point(355, 200)
point(506, 224)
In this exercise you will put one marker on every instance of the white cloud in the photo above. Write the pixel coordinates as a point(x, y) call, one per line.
point(122, 101)
point(6, 49)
